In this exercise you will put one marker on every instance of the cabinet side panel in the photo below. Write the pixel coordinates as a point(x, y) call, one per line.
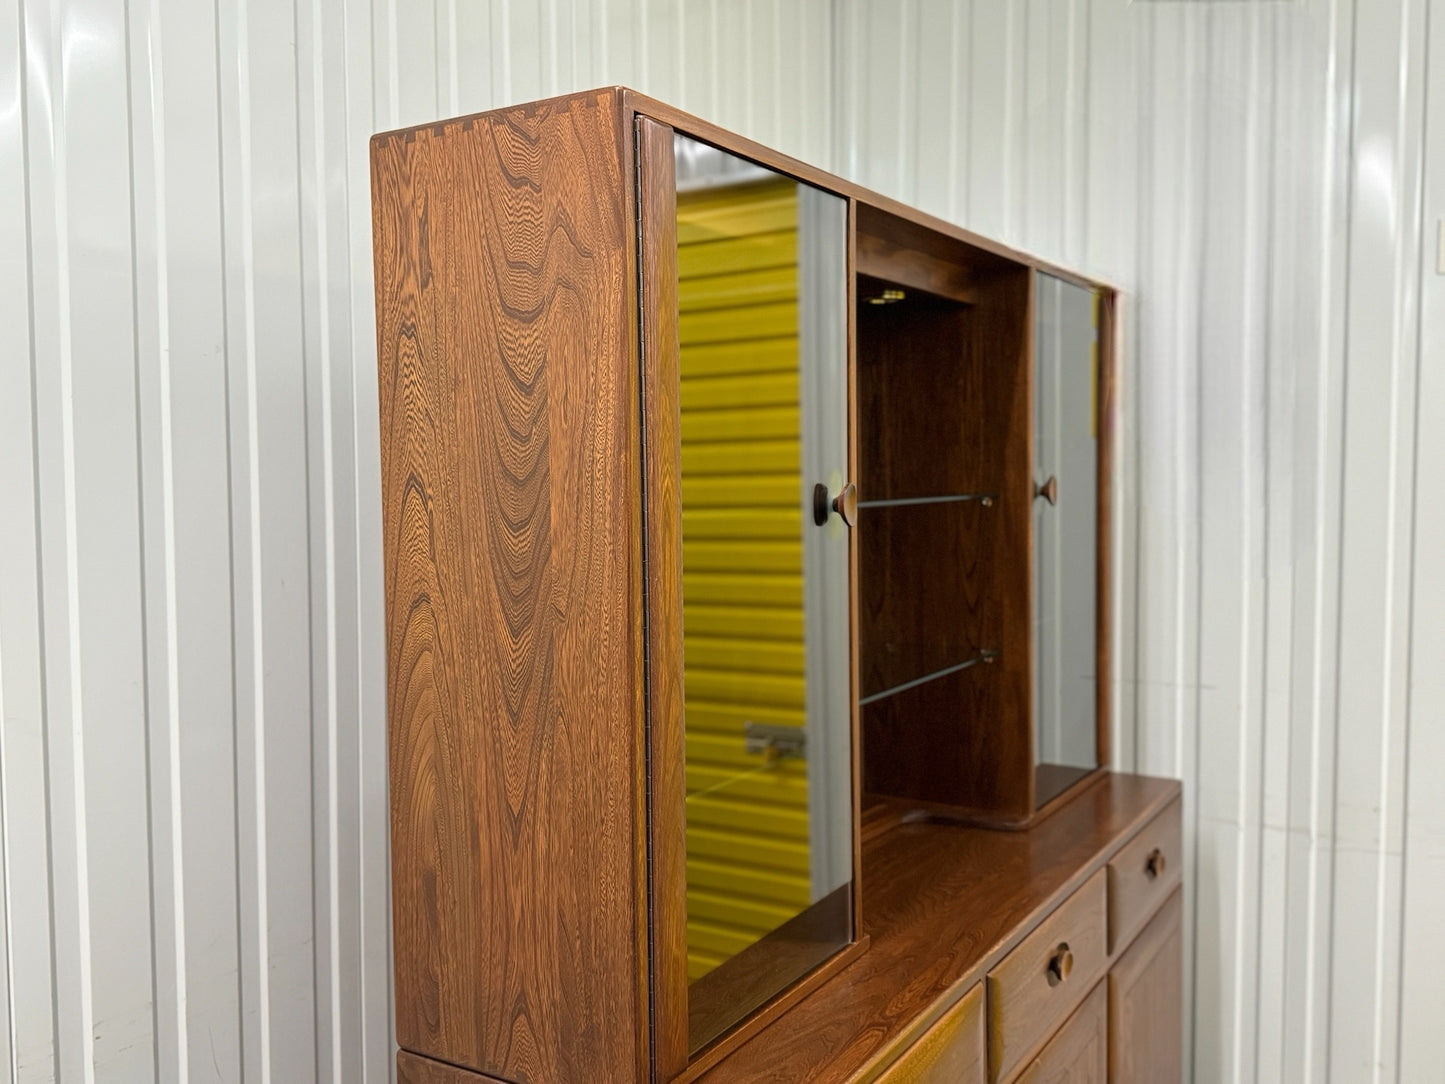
point(507, 353)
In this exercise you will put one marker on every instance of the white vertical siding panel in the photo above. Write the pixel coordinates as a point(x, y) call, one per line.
point(476, 72)
point(1423, 934)
point(411, 43)
point(370, 941)
point(181, 365)
point(991, 119)
point(335, 708)
point(90, 538)
point(29, 988)
point(1321, 116)
point(1375, 544)
point(1286, 35)
point(1231, 525)
point(931, 112)
point(270, 516)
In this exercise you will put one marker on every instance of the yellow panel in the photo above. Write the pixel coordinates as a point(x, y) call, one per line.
point(741, 390)
point(754, 355)
point(750, 622)
point(744, 555)
point(739, 687)
point(790, 888)
point(764, 784)
point(742, 522)
point(747, 458)
point(778, 249)
point(756, 589)
point(736, 214)
point(772, 321)
point(758, 490)
point(751, 852)
point(729, 909)
point(723, 750)
point(728, 718)
point(733, 653)
point(769, 423)
point(739, 292)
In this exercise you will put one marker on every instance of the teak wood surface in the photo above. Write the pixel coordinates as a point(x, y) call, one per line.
point(1079, 1053)
point(506, 342)
point(950, 1052)
point(945, 903)
point(1146, 1002)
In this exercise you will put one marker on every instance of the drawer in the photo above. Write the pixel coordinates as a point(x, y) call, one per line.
point(1142, 875)
point(1037, 985)
point(1079, 1053)
point(950, 1052)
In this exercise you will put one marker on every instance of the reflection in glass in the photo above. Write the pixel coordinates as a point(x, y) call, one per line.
point(762, 298)
point(1066, 534)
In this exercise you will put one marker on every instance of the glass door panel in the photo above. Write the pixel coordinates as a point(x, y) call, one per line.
point(1066, 429)
point(762, 327)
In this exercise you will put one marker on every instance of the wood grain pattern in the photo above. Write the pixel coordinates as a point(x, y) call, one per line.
point(1146, 993)
point(922, 400)
point(414, 1069)
point(952, 1051)
point(1079, 1053)
point(883, 258)
point(945, 903)
point(1003, 330)
point(925, 584)
point(1135, 887)
point(1024, 1006)
point(662, 457)
point(504, 260)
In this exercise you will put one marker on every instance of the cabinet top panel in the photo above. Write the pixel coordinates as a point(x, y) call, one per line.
point(906, 219)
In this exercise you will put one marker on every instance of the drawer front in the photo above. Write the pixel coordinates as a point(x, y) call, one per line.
point(1142, 875)
point(950, 1052)
point(1079, 1053)
point(1037, 985)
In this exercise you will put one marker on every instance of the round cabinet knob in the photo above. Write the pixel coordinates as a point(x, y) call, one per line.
point(1049, 491)
point(1060, 964)
point(1154, 864)
point(845, 504)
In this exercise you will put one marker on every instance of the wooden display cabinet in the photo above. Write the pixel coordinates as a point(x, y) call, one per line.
point(747, 553)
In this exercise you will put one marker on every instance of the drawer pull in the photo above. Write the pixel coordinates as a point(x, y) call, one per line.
point(1154, 864)
point(1060, 964)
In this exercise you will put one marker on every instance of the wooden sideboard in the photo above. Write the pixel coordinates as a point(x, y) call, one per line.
point(747, 554)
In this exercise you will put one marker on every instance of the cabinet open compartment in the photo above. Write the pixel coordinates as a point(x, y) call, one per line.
point(943, 375)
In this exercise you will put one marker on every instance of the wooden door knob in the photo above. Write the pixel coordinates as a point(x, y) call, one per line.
point(1154, 864)
point(845, 504)
point(1049, 491)
point(1060, 964)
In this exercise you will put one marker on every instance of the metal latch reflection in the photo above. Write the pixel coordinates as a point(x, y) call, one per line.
point(775, 742)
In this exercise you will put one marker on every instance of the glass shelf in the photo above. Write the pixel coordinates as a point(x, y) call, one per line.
point(985, 655)
point(952, 498)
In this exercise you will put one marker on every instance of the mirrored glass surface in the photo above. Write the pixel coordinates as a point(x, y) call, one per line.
point(1066, 432)
point(763, 305)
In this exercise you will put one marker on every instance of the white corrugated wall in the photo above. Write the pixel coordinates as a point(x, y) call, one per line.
point(1257, 176)
point(192, 781)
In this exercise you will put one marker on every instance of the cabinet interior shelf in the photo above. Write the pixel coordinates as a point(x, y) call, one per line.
point(986, 655)
point(950, 498)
